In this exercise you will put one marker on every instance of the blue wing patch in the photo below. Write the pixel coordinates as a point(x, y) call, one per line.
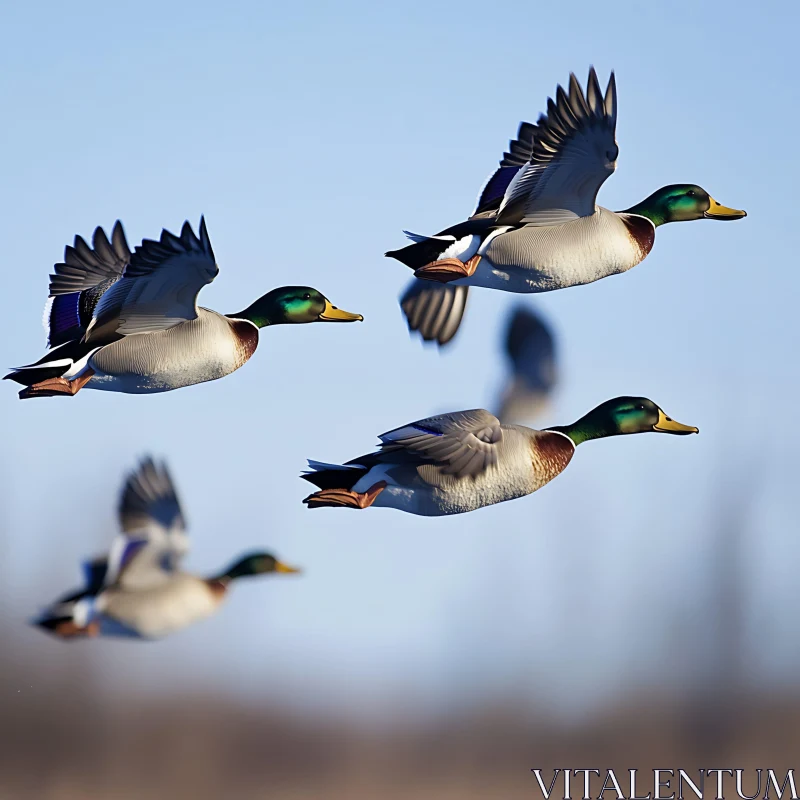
point(423, 429)
point(94, 574)
point(132, 547)
point(64, 322)
point(495, 189)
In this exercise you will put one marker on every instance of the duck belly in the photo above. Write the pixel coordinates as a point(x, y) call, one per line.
point(192, 352)
point(542, 258)
point(431, 494)
point(161, 610)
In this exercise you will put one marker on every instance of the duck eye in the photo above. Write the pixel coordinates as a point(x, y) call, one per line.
point(690, 193)
point(640, 407)
point(306, 296)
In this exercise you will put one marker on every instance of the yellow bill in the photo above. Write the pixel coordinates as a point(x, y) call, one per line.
point(666, 424)
point(332, 314)
point(717, 211)
point(281, 567)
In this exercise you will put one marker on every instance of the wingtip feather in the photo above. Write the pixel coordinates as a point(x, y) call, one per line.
point(205, 241)
point(610, 100)
point(594, 94)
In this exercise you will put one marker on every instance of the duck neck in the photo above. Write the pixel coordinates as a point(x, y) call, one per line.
point(586, 428)
point(267, 310)
point(645, 209)
point(257, 318)
point(225, 578)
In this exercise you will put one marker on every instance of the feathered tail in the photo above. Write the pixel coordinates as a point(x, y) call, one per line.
point(70, 617)
point(333, 476)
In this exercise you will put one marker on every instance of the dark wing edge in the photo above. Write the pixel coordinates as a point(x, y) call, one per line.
point(180, 265)
point(571, 113)
point(151, 254)
point(85, 267)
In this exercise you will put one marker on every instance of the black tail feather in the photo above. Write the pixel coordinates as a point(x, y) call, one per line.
point(334, 478)
point(27, 377)
point(418, 254)
point(51, 624)
point(39, 371)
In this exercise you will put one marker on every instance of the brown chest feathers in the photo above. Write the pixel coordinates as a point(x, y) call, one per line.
point(246, 335)
point(218, 588)
point(550, 454)
point(642, 231)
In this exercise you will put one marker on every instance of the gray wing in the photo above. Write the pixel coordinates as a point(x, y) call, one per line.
point(154, 539)
point(574, 151)
point(85, 267)
point(435, 310)
point(462, 443)
point(159, 287)
point(150, 503)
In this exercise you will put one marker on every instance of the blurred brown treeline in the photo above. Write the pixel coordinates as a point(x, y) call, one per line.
point(64, 742)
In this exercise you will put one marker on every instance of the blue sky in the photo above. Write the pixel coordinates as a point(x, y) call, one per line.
point(310, 135)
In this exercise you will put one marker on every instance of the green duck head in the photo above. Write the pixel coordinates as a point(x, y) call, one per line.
point(623, 415)
point(680, 202)
point(257, 563)
point(294, 305)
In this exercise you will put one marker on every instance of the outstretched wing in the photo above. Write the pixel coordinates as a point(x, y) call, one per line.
point(154, 538)
point(574, 151)
point(80, 280)
point(519, 153)
point(159, 287)
point(433, 309)
point(463, 443)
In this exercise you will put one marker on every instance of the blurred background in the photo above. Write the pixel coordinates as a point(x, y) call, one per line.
point(637, 612)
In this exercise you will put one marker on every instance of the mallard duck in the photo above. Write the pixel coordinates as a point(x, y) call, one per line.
point(536, 226)
point(138, 590)
point(530, 348)
point(458, 462)
point(128, 322)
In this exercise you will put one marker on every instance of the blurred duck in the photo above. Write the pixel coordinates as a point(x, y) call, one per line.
point(458, 462)
point(129, 322)
point(537, 226)
point(139, 590)
point(530, 349)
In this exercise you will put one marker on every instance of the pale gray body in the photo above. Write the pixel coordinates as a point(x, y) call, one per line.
point(147, 363)
point(542, 258)
point(163, 608)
